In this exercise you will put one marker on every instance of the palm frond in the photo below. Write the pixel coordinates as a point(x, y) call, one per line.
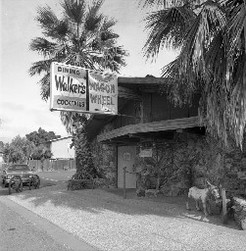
point(40, 67)
point(93, 18)
point(50, 24)
point(46, 18)
point(114, 58)
point(69, 119)
point(45, 87)
point(162, 3)
point(237, 104)
point(165, 4)
point(237, 28)
point(82, 37)
point(108, 24)
point(105, 31)
point(60, 31)
point(42, 46)
point(107, 35)
point(216, 60)
point(167, 28)
point(212, 61)
point(74, 10)
point(180, 85)
point(210, 20)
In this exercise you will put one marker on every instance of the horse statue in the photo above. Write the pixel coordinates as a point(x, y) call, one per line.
point(203, 195)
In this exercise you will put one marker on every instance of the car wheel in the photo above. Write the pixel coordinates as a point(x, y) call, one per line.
point(36, 181)
point(16, 184)
point(3, 182)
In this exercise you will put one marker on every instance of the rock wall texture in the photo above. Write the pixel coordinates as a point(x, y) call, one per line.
point(104, 158)
point(191, 159)
point(176, 164)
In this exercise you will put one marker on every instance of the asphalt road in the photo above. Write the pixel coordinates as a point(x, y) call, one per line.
point(22, 230)
point(17, 233)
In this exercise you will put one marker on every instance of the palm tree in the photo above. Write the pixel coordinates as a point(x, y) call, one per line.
point(211, 38)
point(82, 36)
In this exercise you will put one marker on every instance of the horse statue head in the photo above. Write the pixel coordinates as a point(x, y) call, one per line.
point(214, 191)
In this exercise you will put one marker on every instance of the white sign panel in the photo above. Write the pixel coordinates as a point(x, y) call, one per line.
point(145, 153)
point(68, 88)
point(77, 89)
point(103, 93)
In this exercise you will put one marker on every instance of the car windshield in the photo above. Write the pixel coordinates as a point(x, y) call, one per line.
point(18, 168)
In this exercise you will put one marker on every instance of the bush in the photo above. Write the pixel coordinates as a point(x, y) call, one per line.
point(79, 184)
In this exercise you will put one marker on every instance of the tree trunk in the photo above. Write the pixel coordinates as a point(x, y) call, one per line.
point(224, 206)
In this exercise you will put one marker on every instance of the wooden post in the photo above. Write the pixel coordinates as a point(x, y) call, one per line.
point(87, 92)
point(117, 165)
point(124, 181)
point(224, 206)
point(29, 183)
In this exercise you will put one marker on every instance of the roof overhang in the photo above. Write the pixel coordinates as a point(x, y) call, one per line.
point(151, 127)
point(126, 91)
point(130, 88)
point(146, 84)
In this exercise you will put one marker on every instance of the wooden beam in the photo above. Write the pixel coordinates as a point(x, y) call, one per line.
point(157, 126)
point(141, 81)
point(128, 93)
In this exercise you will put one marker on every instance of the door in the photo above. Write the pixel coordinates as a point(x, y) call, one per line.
point(126, 158)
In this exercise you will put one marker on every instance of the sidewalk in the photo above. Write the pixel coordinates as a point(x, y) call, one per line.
point(108, 222)
point(54, 237)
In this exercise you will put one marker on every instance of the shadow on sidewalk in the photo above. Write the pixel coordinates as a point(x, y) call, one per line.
point(98, 200)
point(178, 207)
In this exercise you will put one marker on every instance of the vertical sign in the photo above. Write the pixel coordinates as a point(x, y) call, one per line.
point(103, 92)
point(80, 90)
point(68, 88)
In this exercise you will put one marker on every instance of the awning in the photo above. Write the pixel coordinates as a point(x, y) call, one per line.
point(156, 126)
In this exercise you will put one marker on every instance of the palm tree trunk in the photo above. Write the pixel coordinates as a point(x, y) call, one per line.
point(77, 30)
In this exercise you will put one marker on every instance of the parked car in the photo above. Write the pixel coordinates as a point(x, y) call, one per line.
point(17, 169)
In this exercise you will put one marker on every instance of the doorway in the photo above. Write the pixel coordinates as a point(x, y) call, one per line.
point(126, 158)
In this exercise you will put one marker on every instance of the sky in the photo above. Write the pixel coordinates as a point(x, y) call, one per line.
point(21, 108)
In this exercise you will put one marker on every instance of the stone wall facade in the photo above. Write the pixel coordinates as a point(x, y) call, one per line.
point(177, 164)
point(191, 159)
point(104, 159)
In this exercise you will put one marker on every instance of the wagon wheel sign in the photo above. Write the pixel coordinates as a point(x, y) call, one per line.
point(16, 184)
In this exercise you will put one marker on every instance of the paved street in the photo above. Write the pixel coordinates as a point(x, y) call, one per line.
point(56, 219)
point(22, 230)
point(18, 233)
point(108, 222)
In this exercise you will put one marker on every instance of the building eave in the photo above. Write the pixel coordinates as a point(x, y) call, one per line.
point(157, 126)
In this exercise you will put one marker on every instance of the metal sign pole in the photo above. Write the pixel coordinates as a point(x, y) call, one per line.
point(124, 182)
